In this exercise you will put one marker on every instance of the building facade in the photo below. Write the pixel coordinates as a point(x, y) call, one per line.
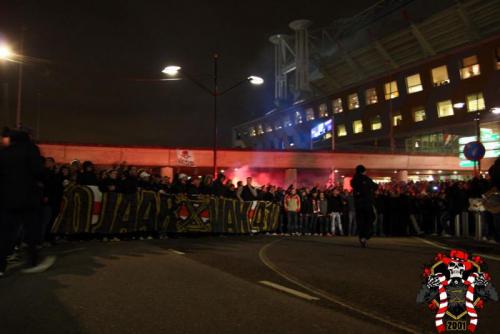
point(419, 89)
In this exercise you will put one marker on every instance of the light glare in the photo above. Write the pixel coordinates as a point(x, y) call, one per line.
point(5, 52)
point(171, 70)
point(254, 80)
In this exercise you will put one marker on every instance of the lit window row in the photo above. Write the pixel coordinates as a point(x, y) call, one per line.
point(469, 67)
point(474, 102)
point(298, 118)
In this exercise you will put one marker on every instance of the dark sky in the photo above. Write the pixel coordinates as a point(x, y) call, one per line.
point(84, 53)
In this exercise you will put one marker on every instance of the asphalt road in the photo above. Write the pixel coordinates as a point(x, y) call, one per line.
point(232, 284)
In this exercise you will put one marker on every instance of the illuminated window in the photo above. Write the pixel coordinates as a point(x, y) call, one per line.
point(323, 110)
point(337, 106)
point(414, 84)
point(298, 117)
point(418, 114)
point(445, 108)
point(277, 125)
point(357, 126)
point(475, 102)
point(469, 67)
point(260, 130)
point(371, 96)
point(252, 132)
point(497, 58)
point(309, 114)
point(397, 120)
point(391, 90)
point(440, 76)
point(341, 130)
point(268, 128)
point(287, 122)
point(376, 123)
point(353, 101)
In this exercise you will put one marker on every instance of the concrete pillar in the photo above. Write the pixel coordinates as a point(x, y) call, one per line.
point(290, 178)
point(167, 171)
point(403, 175)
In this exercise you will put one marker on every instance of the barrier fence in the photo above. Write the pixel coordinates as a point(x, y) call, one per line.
point(86, 210)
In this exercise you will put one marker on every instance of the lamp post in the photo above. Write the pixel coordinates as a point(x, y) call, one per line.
point(215, 92)
point(7, 54)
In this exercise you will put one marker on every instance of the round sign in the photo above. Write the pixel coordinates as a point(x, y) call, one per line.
point(474, 151)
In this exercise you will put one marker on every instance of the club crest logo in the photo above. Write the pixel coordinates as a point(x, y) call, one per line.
point(455, 287)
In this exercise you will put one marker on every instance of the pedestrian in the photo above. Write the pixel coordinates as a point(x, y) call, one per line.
point(323, 221)
point(21, 172)
point(249, 192)
point(363, 189)
point(292, 208)
point(335, 210)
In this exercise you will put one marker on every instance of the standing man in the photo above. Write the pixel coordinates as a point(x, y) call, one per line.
point(363, 188)
point(292, 208)
point(21, 171)
point(249, 192)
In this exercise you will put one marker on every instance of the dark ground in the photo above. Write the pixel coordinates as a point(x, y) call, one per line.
point(214, 287)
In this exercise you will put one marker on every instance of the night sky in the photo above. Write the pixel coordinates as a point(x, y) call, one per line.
point(84, 57)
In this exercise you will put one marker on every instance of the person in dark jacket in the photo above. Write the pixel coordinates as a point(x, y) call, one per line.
point(363, 189)
point(53, 190)
point(88, 176)
point(218, 187)
point(21, 171)
point(249, 192)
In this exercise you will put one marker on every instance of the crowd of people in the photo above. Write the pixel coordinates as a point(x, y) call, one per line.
point(398, 208)
point(32, 188)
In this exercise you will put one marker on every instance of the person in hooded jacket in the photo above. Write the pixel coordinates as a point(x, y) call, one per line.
point(21, 172)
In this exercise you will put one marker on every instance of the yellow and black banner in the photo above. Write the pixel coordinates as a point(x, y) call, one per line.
point(87, 210)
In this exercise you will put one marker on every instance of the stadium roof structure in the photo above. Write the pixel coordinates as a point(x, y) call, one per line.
point(383, 38)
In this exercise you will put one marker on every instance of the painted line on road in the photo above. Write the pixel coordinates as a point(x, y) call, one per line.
point(69, 251)
point(176, 252)
point(325, 295)
point(441, 246)
point(293, 292)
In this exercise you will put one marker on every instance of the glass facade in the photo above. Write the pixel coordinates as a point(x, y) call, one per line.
point(391, 90)
point(440, 76)
point(418, 114)
point(371, 96)
point(341, 130)
point(376, 123)
point(357, 126)
point(397, 119)
point(414, 84)
point(475, 102)
point(337, 106)
point(470, 67)
point(309, 114)
point(323, 110)
point(445, 108)
point(353, 101)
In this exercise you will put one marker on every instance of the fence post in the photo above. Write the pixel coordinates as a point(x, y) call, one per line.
point(457, 225)
point(465, 224)
point(478, 227)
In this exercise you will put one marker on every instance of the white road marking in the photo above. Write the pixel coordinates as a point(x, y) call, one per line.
point(69, 251)
point(265, 260)
point(438, 245)
point(176, 252)
point(288, 290)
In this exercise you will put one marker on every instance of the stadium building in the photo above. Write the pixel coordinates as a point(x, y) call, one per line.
point(402, 76)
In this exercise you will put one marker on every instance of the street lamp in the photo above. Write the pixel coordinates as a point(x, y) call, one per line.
point(215, 92)
point(6, 53)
